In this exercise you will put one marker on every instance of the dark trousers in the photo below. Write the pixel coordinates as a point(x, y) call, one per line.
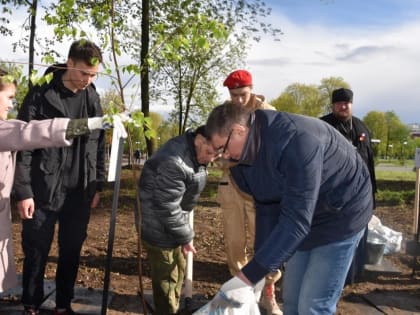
point(37, 236)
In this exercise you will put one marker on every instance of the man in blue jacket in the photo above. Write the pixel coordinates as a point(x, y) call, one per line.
point(313, 198)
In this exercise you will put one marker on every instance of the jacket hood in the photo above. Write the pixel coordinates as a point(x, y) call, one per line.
point(58, 68)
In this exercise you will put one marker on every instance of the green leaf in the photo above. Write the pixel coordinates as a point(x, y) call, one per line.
point(47, 59)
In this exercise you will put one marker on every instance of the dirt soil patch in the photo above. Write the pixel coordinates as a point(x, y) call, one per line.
point(210, 269)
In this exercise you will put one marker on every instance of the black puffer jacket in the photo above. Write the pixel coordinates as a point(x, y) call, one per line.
point(40, 173)
point(358, 134)
point(169, 187)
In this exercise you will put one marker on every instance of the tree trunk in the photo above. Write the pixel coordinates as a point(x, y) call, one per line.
point(34, 6)
point(144, 69)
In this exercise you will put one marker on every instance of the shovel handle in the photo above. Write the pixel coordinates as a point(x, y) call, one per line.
point(189, 267)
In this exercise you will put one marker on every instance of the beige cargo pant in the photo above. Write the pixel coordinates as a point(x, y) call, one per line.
point(238, 226)
point(238, 223)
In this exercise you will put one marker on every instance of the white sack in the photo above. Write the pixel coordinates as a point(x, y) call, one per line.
point(250, 308)
point(380, 234)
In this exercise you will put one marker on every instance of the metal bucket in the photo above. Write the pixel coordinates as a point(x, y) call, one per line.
point(375, 253)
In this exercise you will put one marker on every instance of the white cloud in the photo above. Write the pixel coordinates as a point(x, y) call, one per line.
point(381, 66)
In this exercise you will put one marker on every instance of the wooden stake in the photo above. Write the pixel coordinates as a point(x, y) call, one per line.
point(188, 288)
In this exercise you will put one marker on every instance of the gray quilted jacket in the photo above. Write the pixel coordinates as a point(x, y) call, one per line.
point(169, 187)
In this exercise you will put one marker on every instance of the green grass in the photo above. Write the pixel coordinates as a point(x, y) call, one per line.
point(396, 162)
point(393, 198)
point(395, 175)
point(395, 187)
point(215, 172)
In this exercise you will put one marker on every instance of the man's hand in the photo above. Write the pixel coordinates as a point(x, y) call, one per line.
point(188, 248)
point(116, 122)
point(106, 122)
point(95, 200)
point(83, 126)
point(26, 208)
point(233, 293)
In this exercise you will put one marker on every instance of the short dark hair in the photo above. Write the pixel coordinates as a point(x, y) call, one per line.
point(201, 130)
point(6, 78)
point(222, 118)
point(86, 51)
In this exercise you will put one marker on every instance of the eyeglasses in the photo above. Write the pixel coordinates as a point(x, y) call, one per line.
point(222, 150)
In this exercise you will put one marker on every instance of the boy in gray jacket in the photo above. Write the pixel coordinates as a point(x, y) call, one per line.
point(169, 187)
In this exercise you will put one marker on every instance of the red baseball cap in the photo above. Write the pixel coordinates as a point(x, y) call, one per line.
point(238, 79)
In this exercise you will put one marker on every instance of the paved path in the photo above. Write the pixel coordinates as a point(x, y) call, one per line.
point(392, 167)
point(89, 301)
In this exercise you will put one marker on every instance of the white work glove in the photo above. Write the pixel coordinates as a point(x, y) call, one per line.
point(117, 123)
point(107, 122)
point(258, 289)
point(95, 123)
point(233, 293)
point(126, 117)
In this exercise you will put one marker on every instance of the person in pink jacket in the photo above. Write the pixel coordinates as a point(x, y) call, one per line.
point(17, 135)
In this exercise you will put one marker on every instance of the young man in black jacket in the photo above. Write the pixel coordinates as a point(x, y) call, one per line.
point(60, 184)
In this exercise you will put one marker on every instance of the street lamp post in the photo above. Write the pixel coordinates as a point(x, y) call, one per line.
point(403, 150)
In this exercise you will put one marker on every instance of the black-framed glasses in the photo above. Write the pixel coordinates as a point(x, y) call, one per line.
point(222, 150)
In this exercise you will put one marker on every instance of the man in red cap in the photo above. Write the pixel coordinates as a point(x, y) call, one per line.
point(238, 207)
point(239, 83)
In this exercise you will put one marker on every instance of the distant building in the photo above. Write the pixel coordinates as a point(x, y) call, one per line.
point(414, 129)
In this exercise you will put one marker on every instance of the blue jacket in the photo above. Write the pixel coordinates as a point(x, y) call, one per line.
point(310, 186)
point(169, 187)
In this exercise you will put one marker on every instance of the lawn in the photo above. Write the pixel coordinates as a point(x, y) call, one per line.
point(395, 186)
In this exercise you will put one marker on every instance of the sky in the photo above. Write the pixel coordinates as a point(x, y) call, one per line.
point(374, 45)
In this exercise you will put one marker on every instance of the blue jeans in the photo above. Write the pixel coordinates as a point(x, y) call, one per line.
point(313, 279)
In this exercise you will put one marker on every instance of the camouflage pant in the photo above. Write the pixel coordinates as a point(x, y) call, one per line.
point(168, 270)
